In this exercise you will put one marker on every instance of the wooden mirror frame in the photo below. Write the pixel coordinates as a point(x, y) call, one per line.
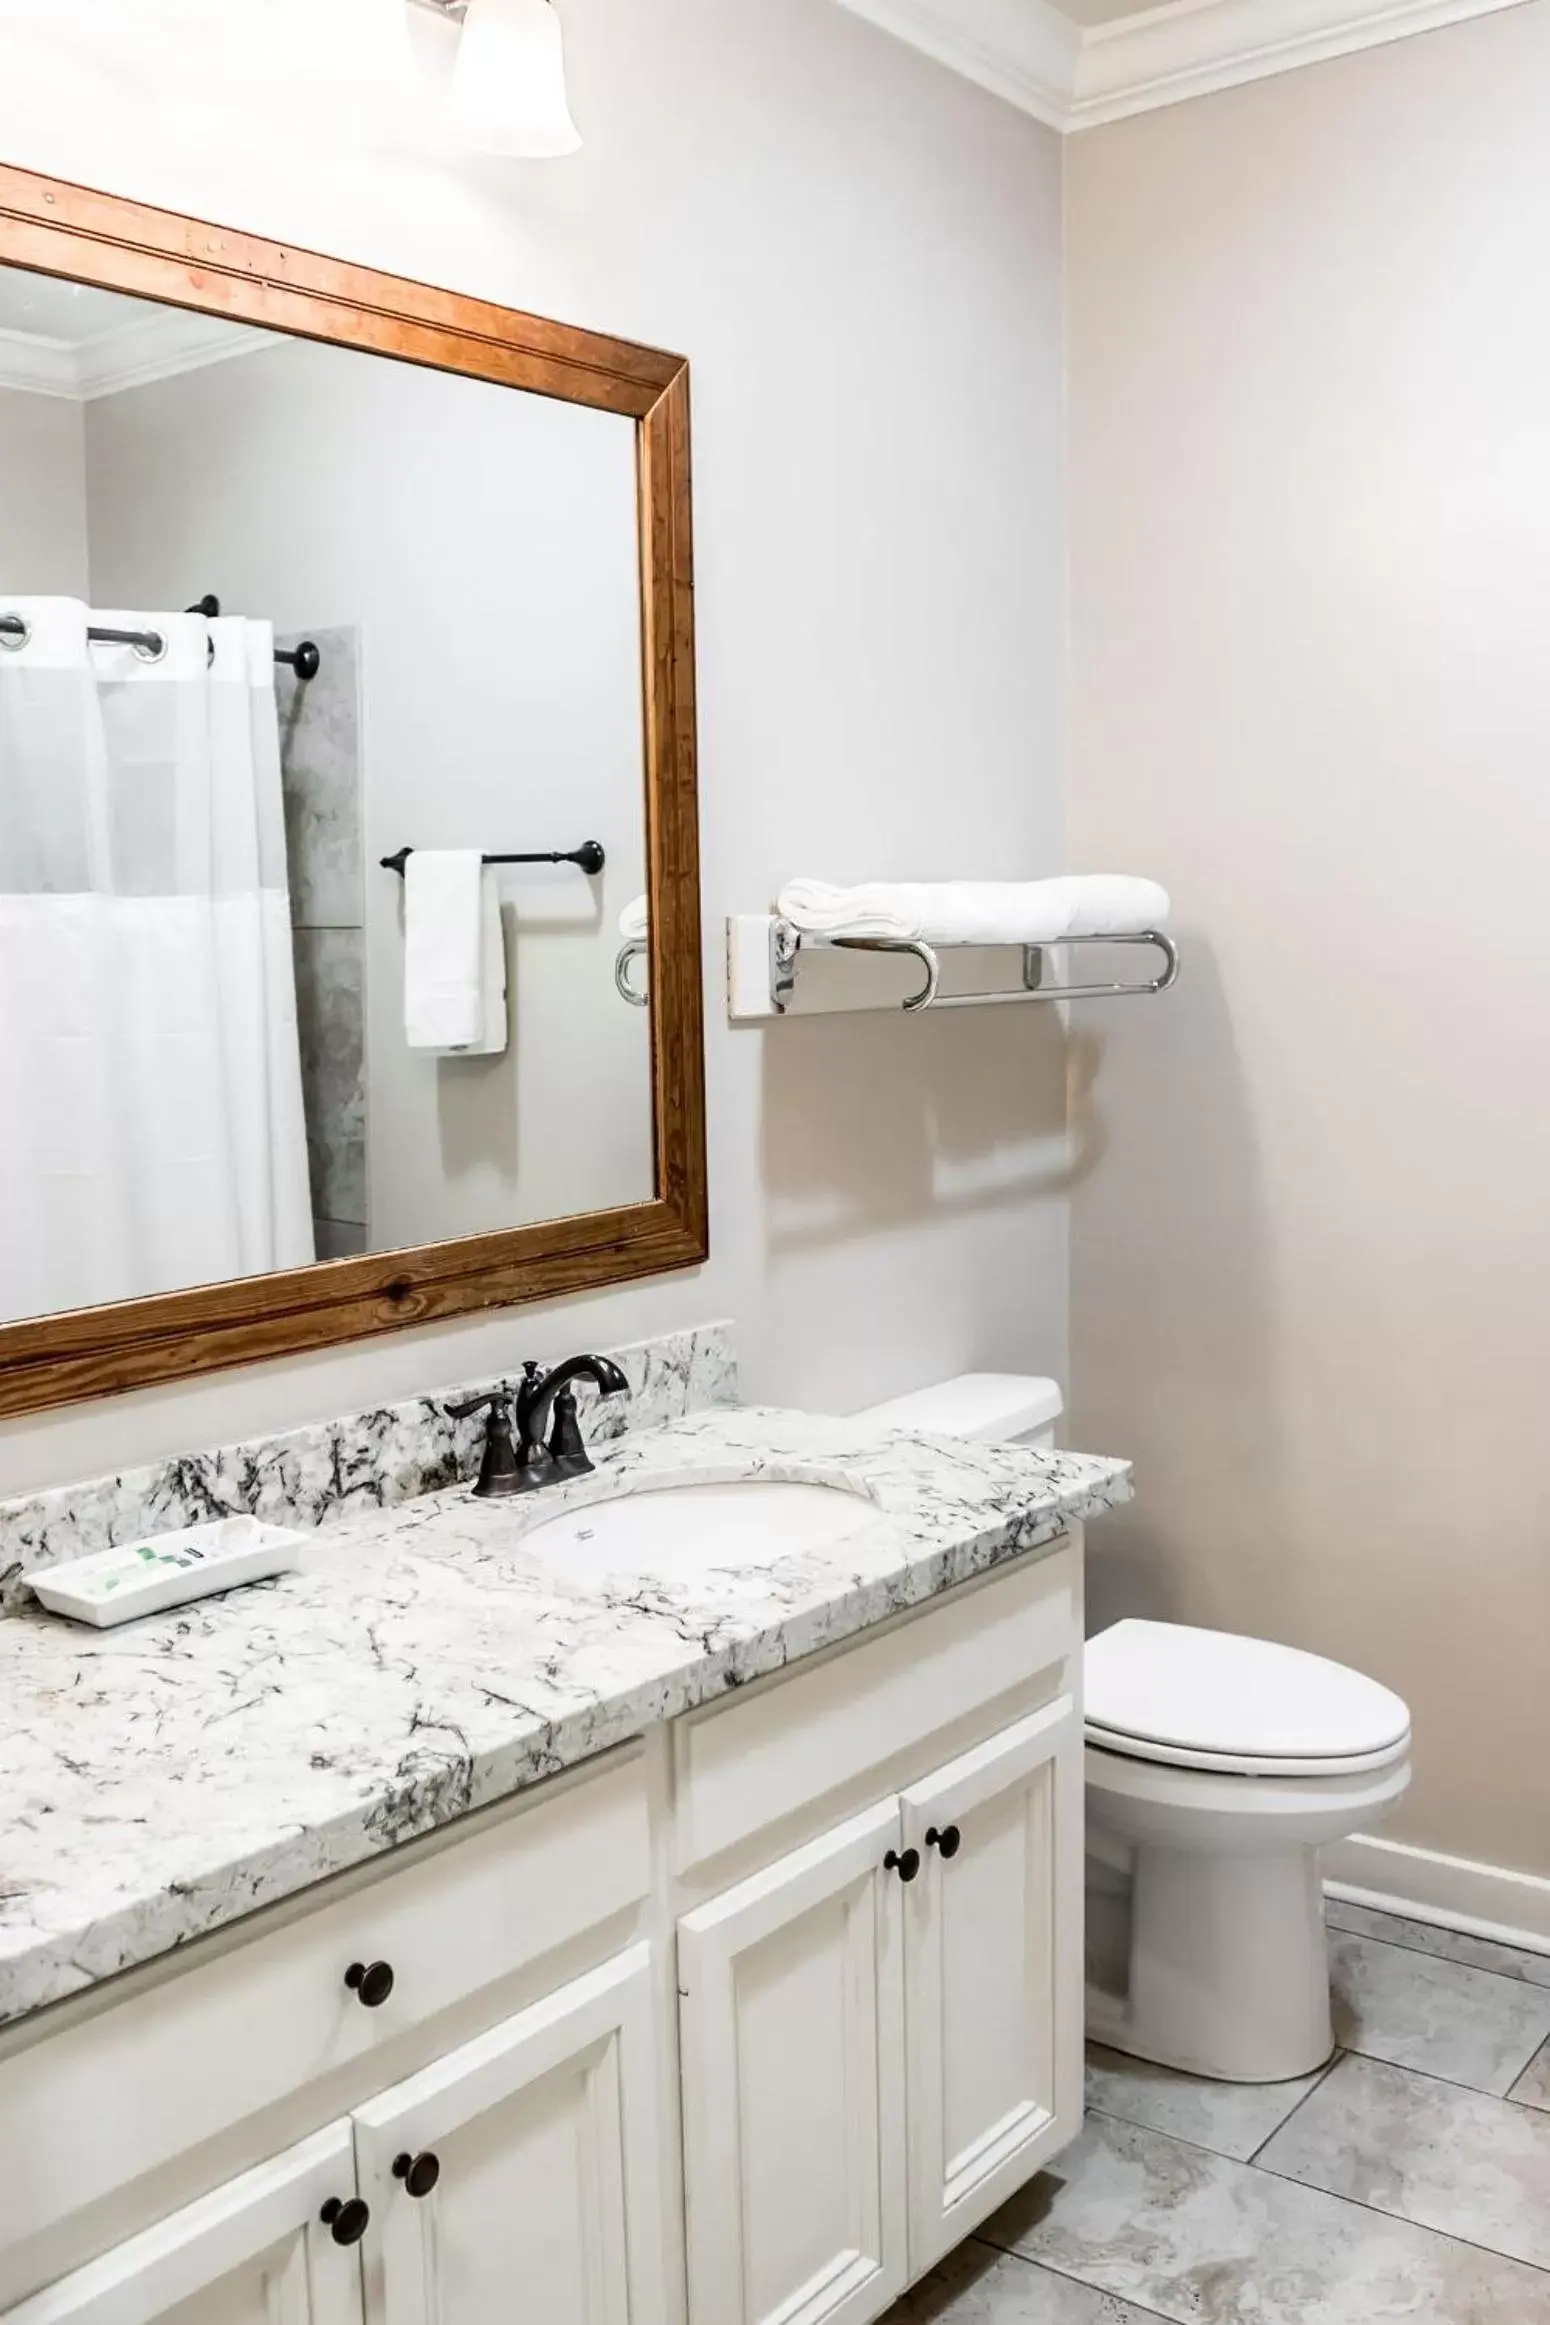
point(53, 228)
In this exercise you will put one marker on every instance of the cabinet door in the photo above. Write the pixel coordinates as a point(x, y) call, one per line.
point(993, 1972)
point(527, 2181)
point(792, 2021)
point(254, 2253)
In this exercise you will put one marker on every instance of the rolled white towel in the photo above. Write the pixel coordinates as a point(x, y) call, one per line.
point(635, 920)
point(978, 912)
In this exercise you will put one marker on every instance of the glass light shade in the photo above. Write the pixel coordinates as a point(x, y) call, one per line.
point(508, 87)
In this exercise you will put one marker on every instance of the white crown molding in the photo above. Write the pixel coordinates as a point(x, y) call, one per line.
point(160, 345)
point(1189, 48)
point(1023, 50)
point(1075, 78)
point(36, 366)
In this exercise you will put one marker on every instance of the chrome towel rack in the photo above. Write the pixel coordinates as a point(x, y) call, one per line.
point(763, 952)
point(636, 950)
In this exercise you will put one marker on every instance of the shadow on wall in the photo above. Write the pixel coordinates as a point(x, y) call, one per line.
point(1170, 1193)
point(935, 1117)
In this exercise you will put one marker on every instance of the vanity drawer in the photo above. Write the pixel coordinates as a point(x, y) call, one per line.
point(122, 2091)
point(742, 1766)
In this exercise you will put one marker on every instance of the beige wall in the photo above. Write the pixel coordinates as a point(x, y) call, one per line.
point(1310, 382)
point(860, 254)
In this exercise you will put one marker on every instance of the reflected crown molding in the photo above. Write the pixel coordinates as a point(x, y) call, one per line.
point(159, 346)
point(1073, 77)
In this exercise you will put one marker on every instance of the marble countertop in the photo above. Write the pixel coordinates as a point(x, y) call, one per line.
point(165, 1779)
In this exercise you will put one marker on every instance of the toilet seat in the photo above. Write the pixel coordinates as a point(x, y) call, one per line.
point(1185, 1698)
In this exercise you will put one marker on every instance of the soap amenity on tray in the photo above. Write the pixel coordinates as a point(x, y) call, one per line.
point(167, 1570)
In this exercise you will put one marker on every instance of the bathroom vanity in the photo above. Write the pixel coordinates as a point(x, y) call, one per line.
point(462, 1927)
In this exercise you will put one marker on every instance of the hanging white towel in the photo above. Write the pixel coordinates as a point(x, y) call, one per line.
point(454, 955)
point(978, 912)
point(496, 1005)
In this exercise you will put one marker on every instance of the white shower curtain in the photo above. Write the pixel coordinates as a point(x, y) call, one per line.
point(151, 1124)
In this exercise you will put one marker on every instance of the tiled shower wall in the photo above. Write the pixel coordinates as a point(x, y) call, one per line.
point(321, 764)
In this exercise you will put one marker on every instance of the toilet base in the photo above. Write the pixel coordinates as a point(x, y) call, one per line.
point(1229, 1975)
point(1226, 1967)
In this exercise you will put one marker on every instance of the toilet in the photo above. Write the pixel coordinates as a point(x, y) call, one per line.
point(1217, 1767)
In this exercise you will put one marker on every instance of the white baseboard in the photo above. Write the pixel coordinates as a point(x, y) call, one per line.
point(1453, 1892)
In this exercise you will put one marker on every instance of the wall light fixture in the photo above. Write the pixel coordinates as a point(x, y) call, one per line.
point(508, 85)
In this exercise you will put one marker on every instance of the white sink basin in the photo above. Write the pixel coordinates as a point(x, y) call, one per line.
point(689, 1529)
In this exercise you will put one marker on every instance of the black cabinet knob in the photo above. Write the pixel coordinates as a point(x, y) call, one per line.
point(906, 1865)
point(346, 2222)
point(372, 1981)
point(419, 2173)
point(949, 1840)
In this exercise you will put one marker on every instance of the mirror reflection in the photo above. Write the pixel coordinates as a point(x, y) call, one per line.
point(309, 660)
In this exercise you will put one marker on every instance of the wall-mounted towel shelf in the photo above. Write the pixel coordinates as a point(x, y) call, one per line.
point(763, 951)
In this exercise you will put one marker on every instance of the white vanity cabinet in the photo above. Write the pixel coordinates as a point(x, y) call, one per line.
point(257, 2252)
point(744, 2023)
point(993, 1972)
point(520, 2175)
point(791, 2010)
point(882, 2034)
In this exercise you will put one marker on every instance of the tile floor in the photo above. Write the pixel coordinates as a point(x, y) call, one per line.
point(1409, 2181)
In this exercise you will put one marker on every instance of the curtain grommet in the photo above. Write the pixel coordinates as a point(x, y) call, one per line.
point(15, 633)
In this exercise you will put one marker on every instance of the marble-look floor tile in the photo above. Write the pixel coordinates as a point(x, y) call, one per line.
point(1474, 2167)
point(1450, 1945)
point(977, 2285)
point(1443, 2018)
point(1230, 2118)
point(1532, 2088)
point(1205, 2241)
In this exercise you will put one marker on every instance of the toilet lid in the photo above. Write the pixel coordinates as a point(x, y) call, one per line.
point(1184, 1690)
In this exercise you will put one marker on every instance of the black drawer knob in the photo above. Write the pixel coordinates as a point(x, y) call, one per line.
point(906, 1865)
point(371, 1981)
point(346, 2222)
point(419, 2173)
point(949, 1840)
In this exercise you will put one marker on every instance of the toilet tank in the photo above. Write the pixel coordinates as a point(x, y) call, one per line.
point(993, 1408)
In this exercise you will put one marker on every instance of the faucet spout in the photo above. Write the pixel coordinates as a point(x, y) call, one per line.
point(545, 1396)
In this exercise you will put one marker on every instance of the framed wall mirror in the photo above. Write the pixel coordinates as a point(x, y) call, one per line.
point(349, 894)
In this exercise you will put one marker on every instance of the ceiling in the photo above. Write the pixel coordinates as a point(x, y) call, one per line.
point(1096, 11)
point(67, 313)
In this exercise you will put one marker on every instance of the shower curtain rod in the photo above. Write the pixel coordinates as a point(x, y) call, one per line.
point(304, 659)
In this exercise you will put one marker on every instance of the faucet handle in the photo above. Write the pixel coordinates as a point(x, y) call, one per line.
point(488, 1403)
point(499, 1467)
point(567, 1447)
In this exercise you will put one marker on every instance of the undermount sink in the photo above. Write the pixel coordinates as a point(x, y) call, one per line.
point(692, 1528)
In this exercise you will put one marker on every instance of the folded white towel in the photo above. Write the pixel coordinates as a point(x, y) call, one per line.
point(454, 954)
point(978, 912)
point(635, 920)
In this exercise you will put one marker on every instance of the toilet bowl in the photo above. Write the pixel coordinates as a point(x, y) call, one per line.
point(1217, 1767)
